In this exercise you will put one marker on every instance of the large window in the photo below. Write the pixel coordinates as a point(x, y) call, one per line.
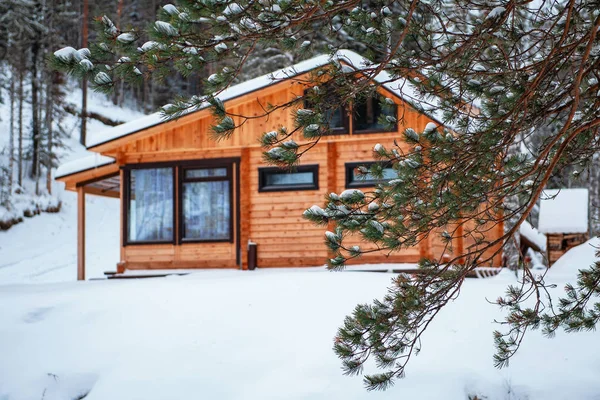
point(304, 177)
point(355, 179)
point(150, 205)
point(204, 212)
point(206, 204)
point(368, 113)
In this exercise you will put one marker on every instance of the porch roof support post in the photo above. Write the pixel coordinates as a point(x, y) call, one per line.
point(80, 234)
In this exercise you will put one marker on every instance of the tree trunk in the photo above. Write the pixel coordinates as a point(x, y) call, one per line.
point(21, 79)
point(11, 144)
point(594, 188)
point(35, 132)
point(84, 43)
point(49, 112)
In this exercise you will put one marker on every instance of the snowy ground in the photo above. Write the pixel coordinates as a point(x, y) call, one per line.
point(264, 334)
point(44, 248)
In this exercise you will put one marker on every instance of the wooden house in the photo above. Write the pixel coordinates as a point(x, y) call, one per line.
point(191, 202)
point(564, 220)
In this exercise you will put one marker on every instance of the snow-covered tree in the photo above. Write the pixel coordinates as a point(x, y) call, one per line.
point(492, 72)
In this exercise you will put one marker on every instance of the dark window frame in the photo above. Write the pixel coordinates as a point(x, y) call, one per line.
point(351, 183)
point(344, 130)
point(127, 200)
point(262, 179)
point(394, 128)
point(183, 180)
point(178, 168)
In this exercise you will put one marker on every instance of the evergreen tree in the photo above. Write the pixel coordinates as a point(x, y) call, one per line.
point(492, 72)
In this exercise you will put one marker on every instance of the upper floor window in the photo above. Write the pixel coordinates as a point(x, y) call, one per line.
point(369, 112)
point(336, 119)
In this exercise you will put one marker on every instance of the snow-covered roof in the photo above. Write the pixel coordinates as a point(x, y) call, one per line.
point(400, 87)
point(83, 164)
point(564, 211)
point(533, 235)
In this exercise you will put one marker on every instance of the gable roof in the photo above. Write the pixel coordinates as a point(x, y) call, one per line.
point(564, 211)
point(399, 87)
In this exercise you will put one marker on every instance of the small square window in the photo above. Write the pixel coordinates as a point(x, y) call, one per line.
point(369, 111)
point(354, 179)
point(304, 177)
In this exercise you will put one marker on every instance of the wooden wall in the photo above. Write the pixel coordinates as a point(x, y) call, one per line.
point(271, 219)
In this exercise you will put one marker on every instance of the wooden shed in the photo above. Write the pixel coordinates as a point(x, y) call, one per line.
point(564, 220)
point(191, 202)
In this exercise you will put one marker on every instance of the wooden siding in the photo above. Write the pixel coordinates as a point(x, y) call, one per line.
point(558, 244)
point(273, 220)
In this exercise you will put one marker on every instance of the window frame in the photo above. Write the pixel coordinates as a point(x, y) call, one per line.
point(178, 168)
point(351, 183)
point(344, 130)
point(127, 200)
point(262, 179)
point(182, 180)
point(373, 130)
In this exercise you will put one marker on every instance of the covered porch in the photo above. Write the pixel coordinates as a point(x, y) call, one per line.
point(95, 175)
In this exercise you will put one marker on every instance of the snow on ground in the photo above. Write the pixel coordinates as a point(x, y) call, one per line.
point(44, 248)
point(580, 257)
point(264, 334)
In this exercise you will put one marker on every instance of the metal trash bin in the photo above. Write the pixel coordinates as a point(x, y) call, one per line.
point(252, 255)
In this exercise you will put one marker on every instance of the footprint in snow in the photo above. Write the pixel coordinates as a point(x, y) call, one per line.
point(37, 315)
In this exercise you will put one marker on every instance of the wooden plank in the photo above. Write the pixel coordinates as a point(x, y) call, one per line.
point(100, 192)
point(196, 264)
point(80, 234)
point(312, 239)
point(316, 233)
point(245, 202)
point(180, 155)
point(425, 248)
point(122, 216)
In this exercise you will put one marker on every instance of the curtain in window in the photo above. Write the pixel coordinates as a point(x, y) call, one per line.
point(206, 210)
point(151, 205)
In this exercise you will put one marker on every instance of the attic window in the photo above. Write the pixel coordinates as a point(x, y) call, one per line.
point(369, 112)
point(336, 119)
